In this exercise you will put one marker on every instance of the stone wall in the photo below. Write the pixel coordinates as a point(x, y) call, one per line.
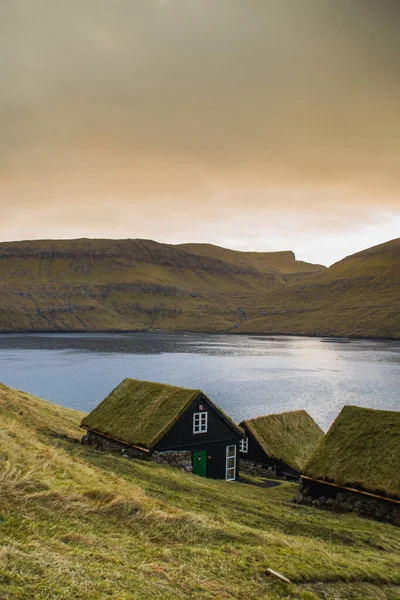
point(255, 469)
point(328, 497)
point(181, 459)
point(103, 443)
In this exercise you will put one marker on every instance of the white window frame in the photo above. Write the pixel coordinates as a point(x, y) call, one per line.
point(244, 445)
point(200, 422)
point(229, 469)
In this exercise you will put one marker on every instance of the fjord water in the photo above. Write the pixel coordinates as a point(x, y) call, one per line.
point(246, 375)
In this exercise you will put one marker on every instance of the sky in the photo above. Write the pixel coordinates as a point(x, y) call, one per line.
point(251, 124)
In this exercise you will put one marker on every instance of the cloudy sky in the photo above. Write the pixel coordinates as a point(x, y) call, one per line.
point(253, 124)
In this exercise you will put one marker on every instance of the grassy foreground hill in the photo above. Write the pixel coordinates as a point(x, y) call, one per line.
point(128, 285)
point(80, 524)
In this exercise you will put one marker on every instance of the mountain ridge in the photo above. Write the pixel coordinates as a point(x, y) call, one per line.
point(144, 250)
point(130, 285)
point(358, 296)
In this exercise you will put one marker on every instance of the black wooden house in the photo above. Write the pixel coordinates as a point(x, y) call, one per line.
point(281, 442)
point(168, 424)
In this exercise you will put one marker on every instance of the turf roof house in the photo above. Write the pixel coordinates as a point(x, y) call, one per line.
point(283, 442)
point(357, 465)
point(170, 424)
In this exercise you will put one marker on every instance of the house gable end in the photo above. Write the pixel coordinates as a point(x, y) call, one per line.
point(287, 438)
point(256, 453)
point(181, 435)
point(162, 434)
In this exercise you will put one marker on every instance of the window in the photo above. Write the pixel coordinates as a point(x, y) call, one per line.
point(200, 422)
point(230, 471)
point(244, 445)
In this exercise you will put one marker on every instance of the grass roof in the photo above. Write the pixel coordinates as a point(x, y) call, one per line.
point(140, 413)
point(361, 450)
point(290, 437)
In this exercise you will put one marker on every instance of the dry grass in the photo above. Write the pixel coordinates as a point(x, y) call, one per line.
point(81, 524)
point(139, 412)
point(290, 436)
point(361, 450)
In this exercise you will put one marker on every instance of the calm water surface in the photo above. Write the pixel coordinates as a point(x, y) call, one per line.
point(246, 375)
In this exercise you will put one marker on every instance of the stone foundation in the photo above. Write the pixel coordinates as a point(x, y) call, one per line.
point(103, 443)
point(180, 459)
point(328, 497)
point(255, 469)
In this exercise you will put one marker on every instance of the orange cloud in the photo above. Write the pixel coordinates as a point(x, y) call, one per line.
point(200, 108)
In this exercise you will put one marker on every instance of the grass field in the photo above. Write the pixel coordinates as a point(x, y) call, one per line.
point(76, 523)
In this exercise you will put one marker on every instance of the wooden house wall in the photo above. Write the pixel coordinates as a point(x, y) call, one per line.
point(216, 458)
point(219, 435)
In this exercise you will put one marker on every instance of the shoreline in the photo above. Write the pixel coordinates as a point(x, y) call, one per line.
point(194, 332)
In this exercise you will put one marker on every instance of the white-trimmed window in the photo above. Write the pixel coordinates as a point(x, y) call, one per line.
point(244, 444)
point(230, 471)
point(200, 421)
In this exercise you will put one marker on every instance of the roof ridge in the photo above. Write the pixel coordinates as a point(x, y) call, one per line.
point(285, 412)
point(360, 450)
point(288, 440)
point(160, 383)
point(141, 412)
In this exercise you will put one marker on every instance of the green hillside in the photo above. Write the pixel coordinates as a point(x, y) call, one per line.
point(80, 285)
point(77, 523)
point(356, 297)
point(128, 285)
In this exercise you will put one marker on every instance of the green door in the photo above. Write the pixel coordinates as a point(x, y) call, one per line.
point(200, 463)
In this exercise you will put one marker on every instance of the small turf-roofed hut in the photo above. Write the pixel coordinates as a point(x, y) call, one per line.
point(177, 425)
point(283, 442)
point(358, 463)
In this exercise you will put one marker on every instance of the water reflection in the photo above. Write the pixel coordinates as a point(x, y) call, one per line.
point(246, 375)
point(148, 343)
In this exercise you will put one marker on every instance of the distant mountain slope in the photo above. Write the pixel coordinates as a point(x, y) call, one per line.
point(358, 296)
point(79, 285)
point(111, 285)
point(376, 263)
point(284, 261)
